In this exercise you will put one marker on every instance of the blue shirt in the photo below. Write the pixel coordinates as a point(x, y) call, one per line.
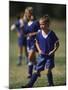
point(19, 28)
point(46, 44)
point(30, 28)
point(33, 27)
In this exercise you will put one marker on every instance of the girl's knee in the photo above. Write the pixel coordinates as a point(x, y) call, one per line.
point(31, 56)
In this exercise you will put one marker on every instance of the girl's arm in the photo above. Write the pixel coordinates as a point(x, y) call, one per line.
point(38, 48)
point(56, 46)
point(32, 34)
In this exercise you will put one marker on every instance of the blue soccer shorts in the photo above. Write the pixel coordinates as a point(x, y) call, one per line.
point(21, 41)
point(44, 62)
point(30, 45)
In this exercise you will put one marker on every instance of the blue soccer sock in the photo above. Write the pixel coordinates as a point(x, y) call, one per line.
point(30, 68)
point(32, 80)
point(19, 60)
point(50, 78)
point(26, 60)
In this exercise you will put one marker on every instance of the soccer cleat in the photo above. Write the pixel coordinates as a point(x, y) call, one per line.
point(19, 63)
point(24, 87)
point(29, 76)
point(49, 85)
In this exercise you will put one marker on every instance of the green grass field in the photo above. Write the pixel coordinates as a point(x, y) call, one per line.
point(18, 75)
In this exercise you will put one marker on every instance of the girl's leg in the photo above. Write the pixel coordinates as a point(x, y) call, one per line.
point(50, 77)
point(20, 56)
point(31, 62)
point(26, 54)
point(32, 80)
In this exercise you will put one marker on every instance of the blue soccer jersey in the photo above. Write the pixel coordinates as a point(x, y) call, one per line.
point(32, 26)
point(46, 42)
point(19, 28)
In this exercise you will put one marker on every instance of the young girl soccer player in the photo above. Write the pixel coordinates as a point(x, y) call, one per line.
point(47, 43)
point(30, 30)
point(21, 39)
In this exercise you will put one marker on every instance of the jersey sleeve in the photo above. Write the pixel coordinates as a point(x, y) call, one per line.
point(37, 37)
point(55, 38)
point(17, 24)
point(21, 23)
point(36, 26)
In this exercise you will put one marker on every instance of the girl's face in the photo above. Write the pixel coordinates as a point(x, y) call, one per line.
point(28, 15)
point(43, 25)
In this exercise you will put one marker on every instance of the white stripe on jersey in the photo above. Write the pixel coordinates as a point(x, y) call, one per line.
point(44, 34)
point(30, 22)
point(21, 22)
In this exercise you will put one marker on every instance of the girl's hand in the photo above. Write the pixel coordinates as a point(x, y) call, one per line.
point(29, 34)
point(12, 27)
point(18, 34)
point(51, 53)
point(40, 52)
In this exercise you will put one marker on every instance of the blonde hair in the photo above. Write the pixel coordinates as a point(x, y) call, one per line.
point(29, 9)
point(45, 18)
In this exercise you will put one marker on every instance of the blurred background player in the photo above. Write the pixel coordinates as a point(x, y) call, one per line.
point(47, 43)
point(21, 38)
point(30, 29)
